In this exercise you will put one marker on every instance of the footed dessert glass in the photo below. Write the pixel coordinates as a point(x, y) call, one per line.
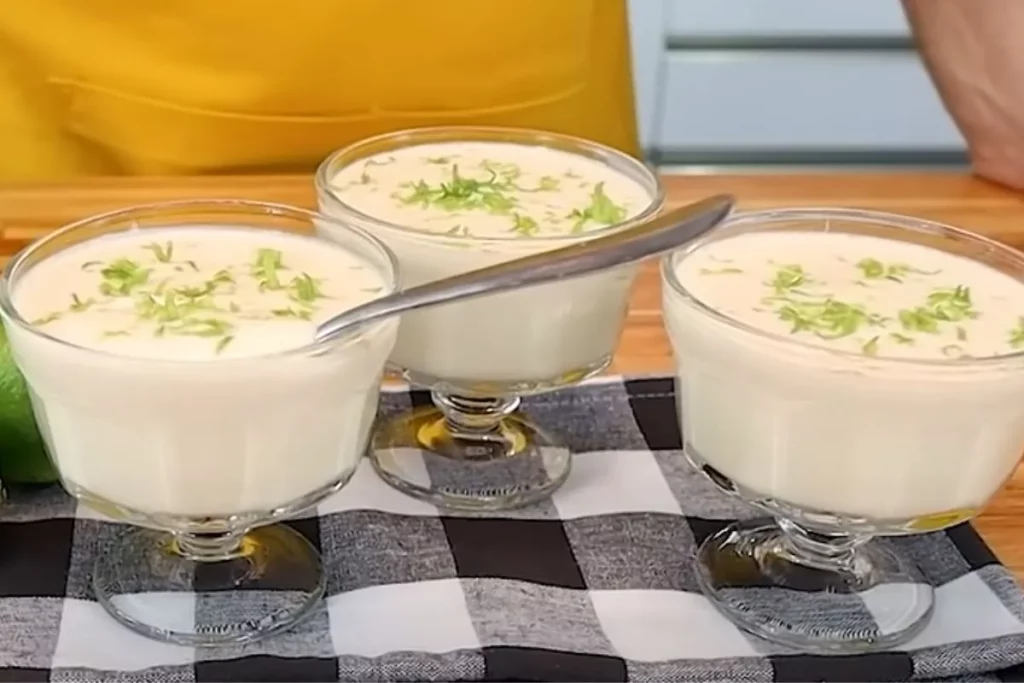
point(202, 456)
point(843, 441)
point(444, 210)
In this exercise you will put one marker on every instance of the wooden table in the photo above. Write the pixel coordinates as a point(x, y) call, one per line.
point(29, 211)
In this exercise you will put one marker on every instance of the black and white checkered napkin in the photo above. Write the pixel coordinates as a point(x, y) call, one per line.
point(597, 584)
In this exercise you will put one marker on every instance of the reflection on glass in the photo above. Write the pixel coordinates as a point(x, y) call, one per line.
point(854, 375)
point(168, 352)
point(451, 200)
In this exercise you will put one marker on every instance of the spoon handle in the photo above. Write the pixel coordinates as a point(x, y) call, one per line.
point(664, 232)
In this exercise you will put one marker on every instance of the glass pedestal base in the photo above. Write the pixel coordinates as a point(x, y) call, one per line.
point(208, 591)
point(777, 583)
point(497, 461)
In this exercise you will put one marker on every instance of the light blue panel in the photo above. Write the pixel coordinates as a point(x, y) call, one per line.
point(647, 36)
point(775, 18)
point(799, 100)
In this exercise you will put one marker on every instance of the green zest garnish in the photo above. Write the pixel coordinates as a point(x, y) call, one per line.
point(168, 307)
point(193, 293)
point(493, 186)
point(829, 319)
point(46, 319)
point(953, 351)
point(122, 276)
point(78, 305)
point(458, 231)
point(873, 269)
point(942, 305)
point(826, 317)
point(222, 277)
point(918, 320)
point(548, 184)
point(507, 171)
point(524, 225)
point(600, 210)
point(870, 347)
point(788, 278)
point(201, 327)
point(291, 313)
point(796, 300)
point(196, 309)
point(461, 194)
point(305, 289)
point(1017, 334)
point(545, 184)
point(952, 304)
point(265, 269)
point(163, 253)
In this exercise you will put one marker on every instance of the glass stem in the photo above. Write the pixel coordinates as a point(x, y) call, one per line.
point(821, 551)
point(209, 547)
point(474, 417)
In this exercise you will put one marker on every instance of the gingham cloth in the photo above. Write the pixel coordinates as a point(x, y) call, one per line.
point(597, 584)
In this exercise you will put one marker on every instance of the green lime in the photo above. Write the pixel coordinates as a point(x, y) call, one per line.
point(23, 458)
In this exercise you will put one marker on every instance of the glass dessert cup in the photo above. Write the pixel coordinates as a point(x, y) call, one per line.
point(473, 448)
point(841, 449)
point(204, 457)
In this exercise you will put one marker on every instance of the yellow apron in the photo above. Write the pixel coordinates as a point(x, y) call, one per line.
point(215, 86)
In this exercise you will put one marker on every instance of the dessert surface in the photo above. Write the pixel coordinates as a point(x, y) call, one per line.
point(490, 190)
point(197, 293)
point(858, 293)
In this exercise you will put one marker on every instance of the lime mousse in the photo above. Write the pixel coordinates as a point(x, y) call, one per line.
point(169, 368)
point(847, 373)
point(446, 208)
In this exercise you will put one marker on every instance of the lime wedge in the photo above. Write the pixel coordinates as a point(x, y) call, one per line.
point(23, 458)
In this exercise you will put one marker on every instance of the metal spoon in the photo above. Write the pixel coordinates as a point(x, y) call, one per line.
point(662, 233)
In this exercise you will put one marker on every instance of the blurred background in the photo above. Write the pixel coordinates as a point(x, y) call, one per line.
point(748, 85)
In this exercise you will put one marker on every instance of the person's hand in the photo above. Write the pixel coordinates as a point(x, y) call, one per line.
point(991, 119)
point(1001, 163)
point(975, 56)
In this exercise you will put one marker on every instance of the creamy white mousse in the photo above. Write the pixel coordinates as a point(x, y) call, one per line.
point(468, 205)
point(893, 428)
point(172, 391)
